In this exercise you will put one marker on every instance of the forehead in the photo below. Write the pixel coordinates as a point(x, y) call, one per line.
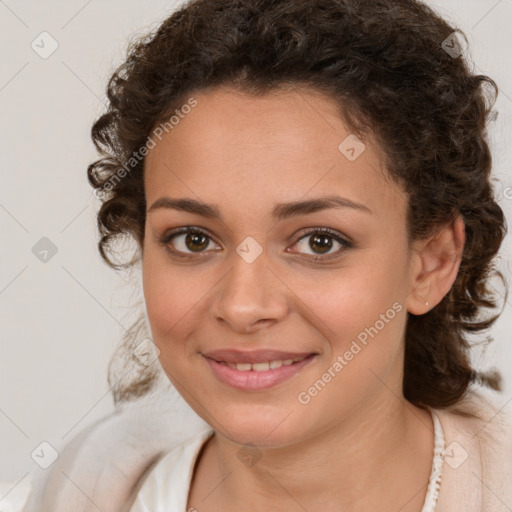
point(243, 149)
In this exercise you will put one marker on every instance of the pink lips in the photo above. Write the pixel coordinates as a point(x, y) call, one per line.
point(252, 380)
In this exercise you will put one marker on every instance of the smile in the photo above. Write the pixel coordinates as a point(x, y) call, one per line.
point(259, 375)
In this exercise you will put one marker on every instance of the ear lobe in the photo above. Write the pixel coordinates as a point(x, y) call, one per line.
point(437, 261)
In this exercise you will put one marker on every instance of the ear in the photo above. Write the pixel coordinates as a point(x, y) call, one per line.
point(434, 267)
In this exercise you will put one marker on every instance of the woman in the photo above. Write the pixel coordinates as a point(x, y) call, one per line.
point(309, 187)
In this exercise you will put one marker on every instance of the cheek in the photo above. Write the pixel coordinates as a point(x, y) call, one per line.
point(359, 311)
point(167, 294)
point(176, 298)
point(347, 300)
point(363, 319)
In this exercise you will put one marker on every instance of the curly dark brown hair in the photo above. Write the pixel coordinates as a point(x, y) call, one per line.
point(388, 65)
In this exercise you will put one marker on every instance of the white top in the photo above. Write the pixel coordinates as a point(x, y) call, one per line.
point(141, 458)
point(166, 487)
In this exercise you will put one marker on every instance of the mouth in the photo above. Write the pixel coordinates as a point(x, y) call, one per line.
point(264, 366)
point(253, 371)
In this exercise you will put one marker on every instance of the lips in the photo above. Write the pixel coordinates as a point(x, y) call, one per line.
point(256, 370)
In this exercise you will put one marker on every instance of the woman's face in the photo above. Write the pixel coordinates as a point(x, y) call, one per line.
point(262, 282)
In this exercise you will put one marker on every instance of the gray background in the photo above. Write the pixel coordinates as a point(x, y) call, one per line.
point(61, 319)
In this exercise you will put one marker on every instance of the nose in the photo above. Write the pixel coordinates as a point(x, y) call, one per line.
point(250, 296)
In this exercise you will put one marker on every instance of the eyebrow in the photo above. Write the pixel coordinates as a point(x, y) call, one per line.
point(280, 211)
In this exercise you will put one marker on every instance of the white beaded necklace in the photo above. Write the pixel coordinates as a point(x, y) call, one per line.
point(437, 465)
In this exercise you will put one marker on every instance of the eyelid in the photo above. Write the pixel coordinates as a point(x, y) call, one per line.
point(186, 229)
point(319, 229)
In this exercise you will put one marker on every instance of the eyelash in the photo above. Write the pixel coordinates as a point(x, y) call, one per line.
point(165, 241)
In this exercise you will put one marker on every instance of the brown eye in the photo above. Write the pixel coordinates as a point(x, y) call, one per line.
point(322, 241)
point(187, 241)
point(196, 241)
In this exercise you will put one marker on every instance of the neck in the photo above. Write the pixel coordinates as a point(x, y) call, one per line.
point(377, 459)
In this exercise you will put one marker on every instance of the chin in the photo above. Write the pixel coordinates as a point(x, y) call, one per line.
point(263, 426)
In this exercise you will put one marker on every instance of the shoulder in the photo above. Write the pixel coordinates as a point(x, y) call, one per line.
point(104, 462)
point(486, 419)
point(477, 460)
point(166, 485)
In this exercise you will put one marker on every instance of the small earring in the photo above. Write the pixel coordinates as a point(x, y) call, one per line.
point(426, 303)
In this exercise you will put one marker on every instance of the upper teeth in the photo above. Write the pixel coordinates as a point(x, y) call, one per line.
point(263, 367)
